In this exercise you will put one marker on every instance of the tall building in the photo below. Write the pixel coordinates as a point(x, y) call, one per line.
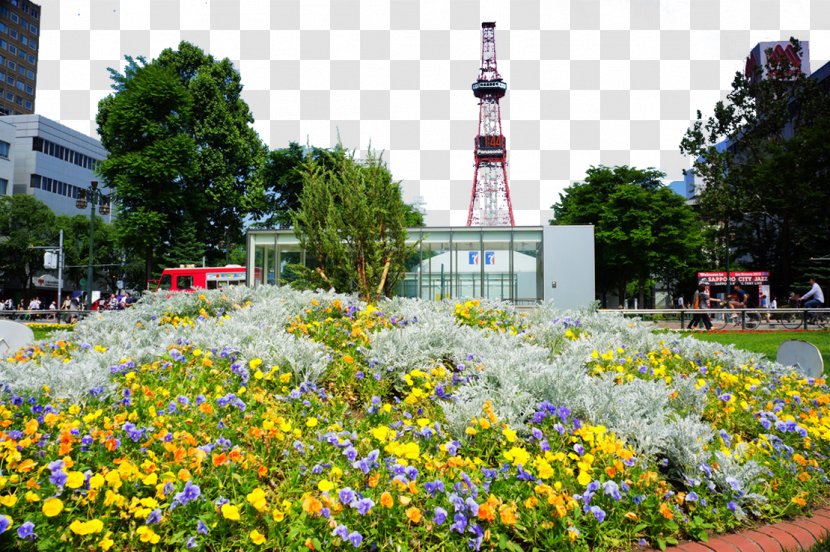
point(7, 134)
point(19, 37)
point(53, 162)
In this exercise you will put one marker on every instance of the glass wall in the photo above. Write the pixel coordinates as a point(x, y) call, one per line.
point(446, 263)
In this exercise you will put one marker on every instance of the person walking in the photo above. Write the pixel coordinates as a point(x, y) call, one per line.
point(701, 301)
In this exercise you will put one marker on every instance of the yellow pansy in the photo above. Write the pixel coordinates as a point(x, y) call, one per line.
point(257, 537)
point(230, 512)
point(74, 479)
point(52, 507)
point(86, 527)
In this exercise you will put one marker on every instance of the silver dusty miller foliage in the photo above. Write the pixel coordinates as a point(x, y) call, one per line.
point(514, 372)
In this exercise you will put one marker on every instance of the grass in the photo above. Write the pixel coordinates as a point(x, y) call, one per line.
point(767, 343)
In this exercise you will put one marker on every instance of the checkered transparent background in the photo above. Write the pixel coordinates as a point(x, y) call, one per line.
point(589, 81)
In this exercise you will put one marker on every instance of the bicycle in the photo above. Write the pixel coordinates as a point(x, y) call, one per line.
point(722, 320)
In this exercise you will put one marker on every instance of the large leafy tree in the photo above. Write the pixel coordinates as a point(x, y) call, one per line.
point(181, 151)
point(762, 157)
point(351, 221)
point(283, 183)
point(642, 229)
point(25, 223)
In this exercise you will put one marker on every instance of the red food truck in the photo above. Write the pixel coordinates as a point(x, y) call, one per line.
point(190, 278)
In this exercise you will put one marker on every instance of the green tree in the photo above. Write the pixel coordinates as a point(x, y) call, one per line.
point(25, 221)
point(111, 262)
point(642, 229)
point(762, 157)
point(283, 183)
point(186, 249)
point(181, 148)
point(351, 222)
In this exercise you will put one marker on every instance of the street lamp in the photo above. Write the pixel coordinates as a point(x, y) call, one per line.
point(93, 195)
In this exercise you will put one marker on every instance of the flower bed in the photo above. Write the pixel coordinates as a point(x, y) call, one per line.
point(270, 418)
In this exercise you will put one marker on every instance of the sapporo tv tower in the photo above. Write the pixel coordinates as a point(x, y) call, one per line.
point(490, 203)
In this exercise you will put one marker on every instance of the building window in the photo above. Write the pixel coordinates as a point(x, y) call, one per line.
point(29, 105)
point(13, 33)
point(11, 64)
point(31, 59)
point(33, 29)
point(35, 182)
point(14, 17)
point(4, 44)
point(23, 40)
point(29, 89)
point(14, 3)
point(12, 49)
point(9, 79)
point(4, 149)
point(4, 186)
point(33, 45)
point(3, 27)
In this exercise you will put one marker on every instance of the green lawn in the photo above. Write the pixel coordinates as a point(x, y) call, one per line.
point(767, 343)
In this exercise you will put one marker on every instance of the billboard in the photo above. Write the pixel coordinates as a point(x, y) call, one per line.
point(744, 278)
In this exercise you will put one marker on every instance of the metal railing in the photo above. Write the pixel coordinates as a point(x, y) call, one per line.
point(44, 316)
point(744, 319)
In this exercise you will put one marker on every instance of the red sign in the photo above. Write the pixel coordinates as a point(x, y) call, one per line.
point(747, 278)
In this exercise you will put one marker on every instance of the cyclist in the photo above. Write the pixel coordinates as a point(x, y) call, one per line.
point(739, 302)
point(814, 299)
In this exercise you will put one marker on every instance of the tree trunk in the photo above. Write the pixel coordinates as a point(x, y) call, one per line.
point(383, 276)
point(148, 265)
point(641, 293)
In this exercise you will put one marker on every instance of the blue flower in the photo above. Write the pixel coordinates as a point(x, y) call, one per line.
point(202, 528)
point(692, 497)
point(440, 515)
point(153, 517)
point(599, 513)
point(5, 523)
point(459, 523)
point(190, 542)
point(27, 531)
point(341, 531)
point(364, 505)
point(732, 505)
point(346, 496)
point(355, 538)
point(611, 489)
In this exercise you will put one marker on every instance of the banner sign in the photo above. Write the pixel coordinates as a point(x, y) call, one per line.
point(473, 257)
point(746, 278)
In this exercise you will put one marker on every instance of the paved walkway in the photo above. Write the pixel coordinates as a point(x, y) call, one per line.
point(800, 534)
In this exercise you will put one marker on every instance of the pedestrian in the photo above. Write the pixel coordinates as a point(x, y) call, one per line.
point(701, 301)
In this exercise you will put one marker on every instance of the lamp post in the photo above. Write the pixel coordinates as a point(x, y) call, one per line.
point(93, 195)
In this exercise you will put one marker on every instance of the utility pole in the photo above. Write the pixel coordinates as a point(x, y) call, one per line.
point(94, 195)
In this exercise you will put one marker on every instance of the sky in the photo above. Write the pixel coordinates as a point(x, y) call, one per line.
point(590, 82)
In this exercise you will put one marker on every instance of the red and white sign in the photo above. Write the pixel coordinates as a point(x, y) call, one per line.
point(746, 278)
point(776, 53)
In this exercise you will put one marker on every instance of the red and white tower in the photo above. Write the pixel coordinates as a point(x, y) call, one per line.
point(490, 203)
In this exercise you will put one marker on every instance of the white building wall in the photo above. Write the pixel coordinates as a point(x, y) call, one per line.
point(7, 135)
point(29, 162)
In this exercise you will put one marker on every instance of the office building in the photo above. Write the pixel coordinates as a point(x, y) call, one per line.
point(19, 38)
point(53, 162)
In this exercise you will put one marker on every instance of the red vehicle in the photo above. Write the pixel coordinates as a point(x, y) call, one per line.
point(192, 278)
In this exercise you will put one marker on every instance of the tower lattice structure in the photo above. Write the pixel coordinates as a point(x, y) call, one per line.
point(490, 202)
